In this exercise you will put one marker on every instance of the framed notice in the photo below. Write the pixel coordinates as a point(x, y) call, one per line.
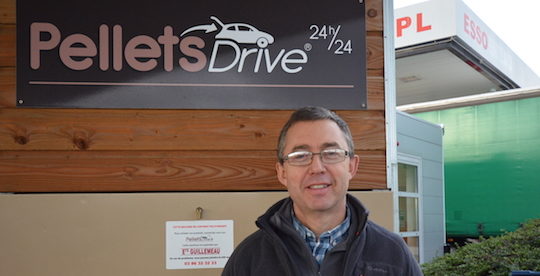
point(198, 244)
point(211, 54)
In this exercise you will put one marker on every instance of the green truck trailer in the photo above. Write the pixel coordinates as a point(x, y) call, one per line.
point(492, 162)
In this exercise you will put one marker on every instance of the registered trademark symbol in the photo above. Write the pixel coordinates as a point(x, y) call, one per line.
point(308, 47)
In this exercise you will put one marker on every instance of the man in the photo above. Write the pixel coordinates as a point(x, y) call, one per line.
point(319, 229)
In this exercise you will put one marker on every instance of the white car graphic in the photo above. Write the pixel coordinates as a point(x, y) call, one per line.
point(238, 32)
point(243, 33)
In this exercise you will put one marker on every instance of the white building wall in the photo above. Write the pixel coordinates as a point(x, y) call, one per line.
point(423, 139)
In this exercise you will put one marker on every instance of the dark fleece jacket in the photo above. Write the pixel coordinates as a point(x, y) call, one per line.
point(276, 249)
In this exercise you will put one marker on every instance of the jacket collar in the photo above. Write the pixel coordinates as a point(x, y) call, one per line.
point(277, 224)
point(279, 218)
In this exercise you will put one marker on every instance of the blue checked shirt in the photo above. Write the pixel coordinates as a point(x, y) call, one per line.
point(327, 240)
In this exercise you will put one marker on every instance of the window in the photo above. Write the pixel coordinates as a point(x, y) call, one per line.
point(244, 28)
point(408, 202)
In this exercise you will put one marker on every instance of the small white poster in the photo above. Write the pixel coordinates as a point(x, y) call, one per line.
point(198, 243)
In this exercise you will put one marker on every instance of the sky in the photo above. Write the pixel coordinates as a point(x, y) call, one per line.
point(516, 22)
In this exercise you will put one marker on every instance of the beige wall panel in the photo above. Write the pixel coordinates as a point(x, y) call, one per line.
point(123, 234)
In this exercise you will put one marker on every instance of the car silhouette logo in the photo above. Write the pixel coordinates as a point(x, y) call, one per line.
point(237, 32)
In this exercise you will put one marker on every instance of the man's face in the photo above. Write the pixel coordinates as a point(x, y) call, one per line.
point(317, 187)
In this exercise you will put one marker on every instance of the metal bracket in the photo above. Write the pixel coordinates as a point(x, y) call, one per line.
point(199, 212)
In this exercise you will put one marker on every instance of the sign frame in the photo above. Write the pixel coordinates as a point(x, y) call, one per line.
point(97, 57)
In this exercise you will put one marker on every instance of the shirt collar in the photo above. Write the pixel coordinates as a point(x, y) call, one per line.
point(336, 234)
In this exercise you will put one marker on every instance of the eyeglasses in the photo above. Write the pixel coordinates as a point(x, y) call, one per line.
point(328, 156)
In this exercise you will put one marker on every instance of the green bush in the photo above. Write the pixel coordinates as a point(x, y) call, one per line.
point(518, 250)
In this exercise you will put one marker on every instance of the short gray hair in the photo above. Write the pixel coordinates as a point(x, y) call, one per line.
point(313, 113)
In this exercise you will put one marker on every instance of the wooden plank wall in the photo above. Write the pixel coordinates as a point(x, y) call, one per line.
point(89, 150)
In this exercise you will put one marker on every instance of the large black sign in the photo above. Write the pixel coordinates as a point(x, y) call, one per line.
point(237, 54)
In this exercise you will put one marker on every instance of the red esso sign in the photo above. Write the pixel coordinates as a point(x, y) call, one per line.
point(475, 32)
